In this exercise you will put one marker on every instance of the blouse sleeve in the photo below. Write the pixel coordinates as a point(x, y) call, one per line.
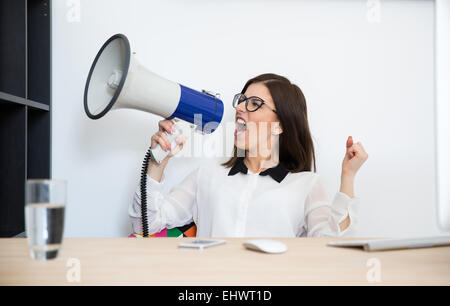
point(322, 218)
point(165, 211)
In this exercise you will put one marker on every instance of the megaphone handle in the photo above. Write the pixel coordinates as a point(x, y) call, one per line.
point(158, 154)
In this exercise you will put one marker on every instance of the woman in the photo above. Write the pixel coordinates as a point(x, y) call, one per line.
point(269, 192)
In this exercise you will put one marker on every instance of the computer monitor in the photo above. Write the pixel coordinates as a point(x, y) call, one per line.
point(442, 70)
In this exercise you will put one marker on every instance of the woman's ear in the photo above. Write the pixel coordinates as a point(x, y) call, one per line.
point(276, 128)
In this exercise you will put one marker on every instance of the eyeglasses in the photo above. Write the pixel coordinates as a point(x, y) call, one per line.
point(252, 104)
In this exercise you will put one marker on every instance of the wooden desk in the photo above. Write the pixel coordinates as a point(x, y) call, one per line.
point(158, 261)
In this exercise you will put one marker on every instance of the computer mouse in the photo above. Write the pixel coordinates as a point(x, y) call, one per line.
point(265, 245)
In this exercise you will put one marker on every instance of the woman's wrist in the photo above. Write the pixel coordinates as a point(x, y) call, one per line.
point(155, 170)
point(347, 184)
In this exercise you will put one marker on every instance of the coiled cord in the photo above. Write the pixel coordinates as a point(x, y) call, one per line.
point(144, 193)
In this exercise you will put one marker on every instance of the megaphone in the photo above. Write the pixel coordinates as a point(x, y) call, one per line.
point(117, 80)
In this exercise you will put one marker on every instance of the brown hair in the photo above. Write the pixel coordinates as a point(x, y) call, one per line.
point(296, 144)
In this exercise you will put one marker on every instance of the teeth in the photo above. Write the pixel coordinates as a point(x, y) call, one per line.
point(241, 125)
point(240, 121)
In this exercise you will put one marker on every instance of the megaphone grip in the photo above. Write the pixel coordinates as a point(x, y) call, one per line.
point(158, 154)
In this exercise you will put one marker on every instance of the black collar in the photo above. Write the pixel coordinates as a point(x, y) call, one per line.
point(278, 173)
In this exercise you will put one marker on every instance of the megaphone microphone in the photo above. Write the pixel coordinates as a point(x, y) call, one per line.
point(117, 80)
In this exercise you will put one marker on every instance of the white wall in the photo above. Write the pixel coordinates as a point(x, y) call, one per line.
point(367, 79)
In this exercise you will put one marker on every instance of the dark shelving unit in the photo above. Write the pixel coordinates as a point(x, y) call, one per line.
point(25, 104)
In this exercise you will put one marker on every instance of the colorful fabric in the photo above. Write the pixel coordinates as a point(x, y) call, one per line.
point(189, 230)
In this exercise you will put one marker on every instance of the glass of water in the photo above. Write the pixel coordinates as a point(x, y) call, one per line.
point(45, 203)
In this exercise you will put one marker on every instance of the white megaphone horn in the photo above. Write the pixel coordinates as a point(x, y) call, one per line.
point(117, 80)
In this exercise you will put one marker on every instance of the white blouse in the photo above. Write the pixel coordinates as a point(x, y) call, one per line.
point(245, 205)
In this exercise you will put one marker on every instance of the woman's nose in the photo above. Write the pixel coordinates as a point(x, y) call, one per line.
point(241, 107)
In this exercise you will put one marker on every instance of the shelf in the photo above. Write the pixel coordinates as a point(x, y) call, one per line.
point(25, 105)
point(38, 146)
point(13, 133)
point(38, 51)
point(4, 97)
point(13, 47)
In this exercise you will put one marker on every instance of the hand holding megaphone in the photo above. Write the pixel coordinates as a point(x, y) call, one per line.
point(168, 141)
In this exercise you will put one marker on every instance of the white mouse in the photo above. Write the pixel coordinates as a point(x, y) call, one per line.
point(266, 246)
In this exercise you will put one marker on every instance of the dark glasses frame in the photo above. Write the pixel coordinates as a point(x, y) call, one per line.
point(237, 100)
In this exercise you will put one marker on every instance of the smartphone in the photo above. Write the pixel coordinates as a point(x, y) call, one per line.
point(201, 243)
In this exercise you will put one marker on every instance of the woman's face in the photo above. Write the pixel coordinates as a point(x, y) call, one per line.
point(255, 131)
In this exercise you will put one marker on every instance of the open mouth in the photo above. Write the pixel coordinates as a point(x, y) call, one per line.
point(241, 126)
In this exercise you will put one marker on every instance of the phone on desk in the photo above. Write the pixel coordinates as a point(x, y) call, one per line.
point(201, 243)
